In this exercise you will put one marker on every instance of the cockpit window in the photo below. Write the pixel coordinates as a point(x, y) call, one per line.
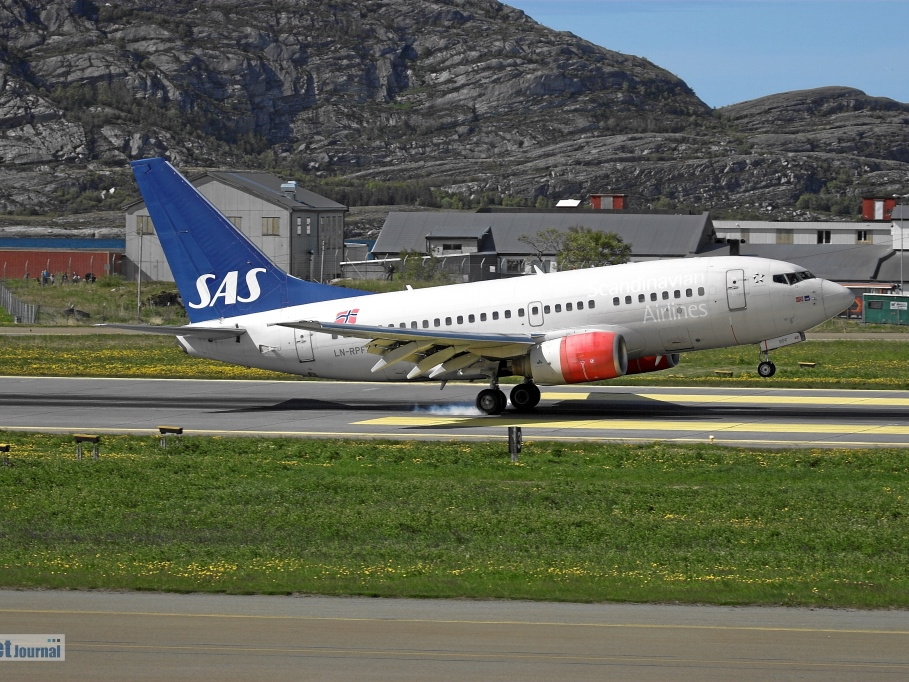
point(791, 278)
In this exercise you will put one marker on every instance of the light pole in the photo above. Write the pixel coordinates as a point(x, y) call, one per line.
point(139, 280)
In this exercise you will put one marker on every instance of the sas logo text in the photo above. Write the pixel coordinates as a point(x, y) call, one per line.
point(227, 290)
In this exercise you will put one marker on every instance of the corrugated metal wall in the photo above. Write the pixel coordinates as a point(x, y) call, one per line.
point(16, 264)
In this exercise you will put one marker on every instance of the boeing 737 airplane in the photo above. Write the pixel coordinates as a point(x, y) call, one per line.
point(557, 328)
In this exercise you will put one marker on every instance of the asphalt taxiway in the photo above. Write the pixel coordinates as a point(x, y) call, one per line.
point(733, 416)
point(146, 636)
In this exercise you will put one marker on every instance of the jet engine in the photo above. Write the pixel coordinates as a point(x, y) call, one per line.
point(652, 363)
point(577, 358)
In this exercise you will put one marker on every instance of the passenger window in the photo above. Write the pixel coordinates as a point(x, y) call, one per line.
point(568, 307)
point(580, 305)
point(558, 307)
point(437, 322)
point(689, 293)
point(520, 312)
point(507, 314)
point(677, 294)
point(665, 295)
point(460, 319)
point(628, 300)
point(482, 317)
point(653, 296)
point(447, 321)
point(591, 304)
point(495, 314)
point(534, 311)
point(425, 324)
point(471, 318)
point(641, 298)
point(413, 324)
point(701, 291)
point(545, 309)
point(616, 301)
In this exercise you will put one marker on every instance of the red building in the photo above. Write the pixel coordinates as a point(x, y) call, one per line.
point(615, 202)
point(30, 257)
point(877, 208)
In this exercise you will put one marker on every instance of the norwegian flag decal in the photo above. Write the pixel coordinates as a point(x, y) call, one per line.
point(347, 316)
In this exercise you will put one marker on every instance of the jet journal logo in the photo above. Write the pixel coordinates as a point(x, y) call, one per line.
point(32, 648)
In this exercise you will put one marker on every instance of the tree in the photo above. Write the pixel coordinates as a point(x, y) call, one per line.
point(417, 268)
point(545, 242)
point(586, 248)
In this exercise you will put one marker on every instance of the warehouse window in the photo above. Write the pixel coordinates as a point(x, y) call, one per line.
point(271, 227)
point(144, 225)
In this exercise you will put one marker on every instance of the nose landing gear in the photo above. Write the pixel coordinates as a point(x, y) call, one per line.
point(766, 368)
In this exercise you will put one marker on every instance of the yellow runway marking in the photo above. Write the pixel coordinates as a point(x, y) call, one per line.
point(613, 425)
point(456, 621)
point(721, 398)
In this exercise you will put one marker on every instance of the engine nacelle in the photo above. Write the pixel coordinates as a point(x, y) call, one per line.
point(574, 359)
point(652, 363)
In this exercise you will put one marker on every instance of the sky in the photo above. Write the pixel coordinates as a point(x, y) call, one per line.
point(729, 51)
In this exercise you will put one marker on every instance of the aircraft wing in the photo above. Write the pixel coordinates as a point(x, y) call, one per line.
point(188, 331)
point(434, 351)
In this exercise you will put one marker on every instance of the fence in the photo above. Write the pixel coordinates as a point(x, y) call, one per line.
point(459, 267)
point(24, 313)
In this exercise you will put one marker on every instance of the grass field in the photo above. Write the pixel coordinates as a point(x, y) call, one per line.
point(591, 522)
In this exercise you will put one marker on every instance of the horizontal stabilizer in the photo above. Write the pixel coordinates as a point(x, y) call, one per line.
point(188, 331)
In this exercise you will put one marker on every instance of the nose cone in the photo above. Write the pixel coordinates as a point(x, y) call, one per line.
point(836, 298)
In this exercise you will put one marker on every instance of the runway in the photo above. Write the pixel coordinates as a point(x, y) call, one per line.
point(143, 636)
point(753, 417)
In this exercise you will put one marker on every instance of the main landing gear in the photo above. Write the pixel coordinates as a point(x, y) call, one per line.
point(491, 400)
point(524, 397)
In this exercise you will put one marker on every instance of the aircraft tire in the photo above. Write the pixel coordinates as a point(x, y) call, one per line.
point(491, 401)
point(525, 397)
point(766, 369)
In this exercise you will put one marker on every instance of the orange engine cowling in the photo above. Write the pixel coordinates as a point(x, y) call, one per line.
point(652, 363)
point(574, 359)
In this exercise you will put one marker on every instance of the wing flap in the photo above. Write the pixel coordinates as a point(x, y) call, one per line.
point(427, 348)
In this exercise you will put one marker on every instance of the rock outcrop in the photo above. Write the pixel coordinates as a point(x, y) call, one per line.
point(470, 95)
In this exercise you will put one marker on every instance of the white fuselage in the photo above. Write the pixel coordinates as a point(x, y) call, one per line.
point(659, 307)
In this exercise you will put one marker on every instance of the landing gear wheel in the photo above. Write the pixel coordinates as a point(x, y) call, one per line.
point(525, 397)
point(491, 401)
point(766, 369)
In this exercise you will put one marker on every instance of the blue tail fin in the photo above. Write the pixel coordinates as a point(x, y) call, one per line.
point(218, 271)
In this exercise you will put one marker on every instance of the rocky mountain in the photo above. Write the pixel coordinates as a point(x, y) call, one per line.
point(471, 96)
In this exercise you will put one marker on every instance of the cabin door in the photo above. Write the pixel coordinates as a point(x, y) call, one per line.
point(735, 289)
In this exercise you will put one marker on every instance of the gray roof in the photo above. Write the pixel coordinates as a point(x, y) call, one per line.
point(267, 186)
point(459, 232)
point(650, 235)
point(837, 262)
